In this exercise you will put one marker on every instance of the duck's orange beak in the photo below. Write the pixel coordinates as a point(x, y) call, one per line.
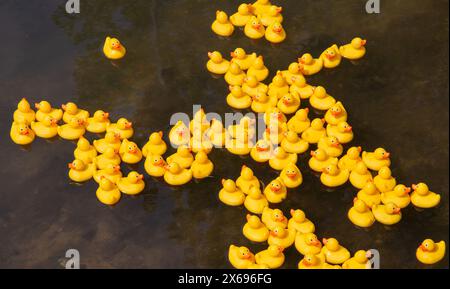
point(132, 151)
point(129, 125)
point(423, 248)
point(397, 211)
point(117, 169)
point(160, 163)
point(209, 54)
point(273, 234)
point(64, 107)
point(335, 113)
point(363, 42)
point(25, 132)
point(316, 243)
point(280, 219)
point(306, 263)
point(336, 144)
point(324, 241)
point(280, 9)
point(277, 30)
point(275, 189)
point(70, 166)
point(348, 129)
point(140, 177)
point(106, 115)
point(286, 102)
point(359, 149)
point(37, 105)
point(261, 149)
point(256, 26)
point(53, 122)
point(166, 167)
point(414, 187)
point(329, 56)
point(300, 60)
point(233, 54)
point(386, 155)
point(291, 175)
point(312, 153)
point(407, 190)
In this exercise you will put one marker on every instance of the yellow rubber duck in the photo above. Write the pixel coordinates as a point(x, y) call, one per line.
point(292, 143)
point(321, 100)
point(110, 156)
point(113, 49)
point(201, 142)
point(333, 251)
point(350, 159)
point(154, 165)
point(422, 197)
point(24, 113)
point(273, 218)
point(279, 86)
point(336, 114)
point(44, 109)
point(272, 15)
point(243, 15)
point(80, 172)
point(230, 194)
point(342, 131)
point(47, 128)
point(275, 132)
point(312, 261)
point(199, 122)
point(300, 86)
point(108, 193)
point(251, 86)
point(358, 261)
point(111, 172)
point(246, 125)
point(332, 176)
point(291, 176)
point(85, 151)
point(388, 214)
point(240, 257)
point(281, 159)
point(254, 28)
point(123, 127)
point(300, 223)
point(240, 146)
point(289, 103)
point(99, 122)
point(255, 201)
point(72, 130)
point(237, 98)
point(399, 196)
point(216, 63)
point(360, 175)
point(179, 134)
point(331, 146)
point(293, 73)
point(307, 244)
point(258, 69)
point(360, 214)
point(300, 121)
point(201, 167)
point(315, 132)
point(354, 50)
point(130, 152)
point(244, 60)
point(262, 102)
point(132, 184)
point(319, 160)
point(261, 7)
point(262, 151)
point(217, 133)
point(377, 159)
point(111, 140)
point(273, 257)
point(255, 230)
point(235, 75)
point(430, 252)
point(369, 194)
point(71, 110)
point(310, 65)
point(331, 57)
point(183, 157)
point(176, 175)
point(275, 33)
point(384, 180)
point(282, 237)
point(221, 25)
point(155, 145)
point(274, 114)
point(275, 191)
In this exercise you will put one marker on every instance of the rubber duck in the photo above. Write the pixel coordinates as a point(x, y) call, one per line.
point(273, 257)
point(422, 197)
point(272, 15)
point(237, 98)
point(399, 196)
point(230, 194)
point(388, 214)
point(244, 60)
point(251, 86)
point(282, 237)
point(291, 176)
point(179, 134)
point(98, 123)
point(47, 128)
point(24, 113)
point(85, 151)
point(307, 244)
point(154, 165)
point(279, 86)
point(235, 75)
point(240, 146)
point(123, 127)
point(384, 180)
point(221, 25)
point(360, 214)
point(254, 28)
point(358, 261)
point(275, 132)
point(113, 49)
point(255, 201)
point(292, 143)
point(300, 223)
point(111, 172)
point(201, 167)
point(331, 146)
point(334, 253)
point(332, 176)
point(80, 172)
point(289, 103)
point(300, 121)
point(275, 33)
point(261, 6)
point(132, 184)
point(281, 159)
point(369, 194)
point(262, 102)
point(217, 133)
point(243, 15)
point(312, 261)
point(292, 71)
point(255, 230)
point(360, 175)
point(350, 159)
point(130, 152)
point(176, 175)
point(110, 156)
point(216, 63)
point(107, 192)
point(273, 218)
point(199, 122)
point(315, 132)
point(336, 114)
point(275, 191)
point(183, 157)
point(274, 114)
point(155, 145)
point(377, 159)
point(319, 160)
point(430, 252)
point(200, 142)
point(262, 151)
point(246, 126)
point(354, 50)
point(258, 69)
point(331, 57)
point(321, 100)
point(342, 131)
point(111, 140)
point(300, 86)
point(71, 110)
point(72, 130)
point(44, 109)
point(240, 257)
point(310, 65)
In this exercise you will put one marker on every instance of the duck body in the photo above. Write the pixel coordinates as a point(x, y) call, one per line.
point(289, 103)
point(107, 158)
point(113, 49)
point(175, 175)
point(423, 198)
point(83, 174)
point(242, 59)
point(111, 140)
point(201, 167)
point(154, 165)
point(315, 132)
point(85, 151)
point(291, 176)
point(319, 160)
point(255, 230)
point(384, 183)
point(310, 65)
point(300, 223)
point(155, 145)
point(24, 113)
point(44, 109)
point(377, 159)
point(273, 218)
point(307, 244)
point(70, 131)
point(130, 152)
point(276, 191)
point(238, 99)
point(46, 128)
point(222, 26)
point(71, 110)
point(360, 214)
point(123, 127)
point(331, 146)
point(247, 179)
point(354, 50)
point(360, 175)
point(430, 252)
point(275, 33)
point(255, 201)
point(230, 194)
point(399, 196)
point(300, 121)
point(254, 29)
point(240, 257)
point(342, 131)
point(331, 57)
point(112, 173)
point(334, 180)
point(216, 64)
point(321, 100)
point(108, 193)
point(183, 157)
point(242, 16)
point(313, 261)
point(350, 159)
point(293, 144)
point(369, 195)
point(359, 261)
point(334, 252)
point(280, 162)
point(388, 214)
point(284, 239)
point(262, 151)
point(98, 123)
point(133, 184)
point(273, 257)
point(258, 69)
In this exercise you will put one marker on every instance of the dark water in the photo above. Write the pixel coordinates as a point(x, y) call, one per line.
point(397, 97)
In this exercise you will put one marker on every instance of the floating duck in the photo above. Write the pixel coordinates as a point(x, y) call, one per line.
point(350, 159)
point(331, 146)
point(275, 191)
point(289, 103)
point(331, 57)
point(275, 33)
point(183, 157)
point(384, 180)
point(221, 25)
point(300, 86)
point(360, 214)
point(315, 132)
point(44, 109)
point(72, 130)
point(399, 196)
point(300, 121)
point(422, 197)
point(155, 165)
point(273, 218)
point(258, 69)
point(369, 194)
point(200, 142)
point(199, 122)
point(291, 176)
point(246, 126)
point(217, 133)
point(110, 156)
point(85, 151)
point(240, 257)
point(262, 102)
point(272, 15)
point(132, 184)
point(333, 251)
point(300, 223)
point(430, 252)
point(354, 50)
point(71, 110)
point(292, 71)
point(273, 257)
point(123, 127)
point(113, 49)
point(307, 244)
point(155, 145)
point(310, 65)
point(321, 100)
point(336, 114)
point(235, 75)
point(388, 214)
point(274, 114)
point(251, 86)
point(255, 230)
point(111, 172)
point(261, 7)
point(262, 151)
point(292, 143)
point(107, 192)
point(279, 86)
point(319, 160)
point(342, 131)
point(240, 146)
point(254, 29)
point(111, 140)
point(255, 201)
point(281, 159)
point(216, 63)
point(176, 175)
point(377, 159)
point(179, 134)
point(282, 237)
point(80, 172)
point(332, 176)
point(47, 128)
point(243, 15)
point(312, 261)
point(358, 261)
point(275, 132)
point(360, 175)
point(98, 123)
point(230, 194)
point(24, 113)
point(130, 152)
point(244, 60)
point(201, 167)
